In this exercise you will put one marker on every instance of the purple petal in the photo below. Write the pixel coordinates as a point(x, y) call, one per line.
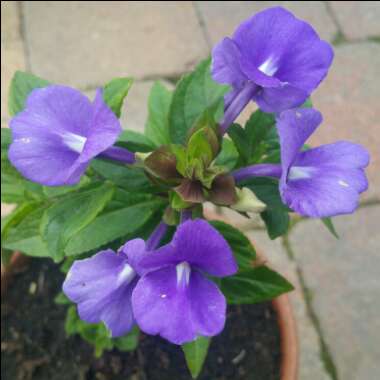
point(342, 153)
point(280, 98)
point(294, 128)
point(57, 134)
point(225, 64)
point(105, 128)
point(278, 52)
point(176, 310)
point(102, 286)
point(197, 243)
point(280, 45)
point(327, 180)
point(135, 250)
point(327, 192)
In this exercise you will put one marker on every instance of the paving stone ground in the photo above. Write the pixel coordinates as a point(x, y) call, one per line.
point(84, 44)
point(343, 277)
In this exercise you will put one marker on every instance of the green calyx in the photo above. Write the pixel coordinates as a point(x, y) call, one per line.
point(191, 171)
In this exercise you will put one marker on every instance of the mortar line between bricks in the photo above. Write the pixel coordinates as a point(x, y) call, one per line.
point(335, 20)
point(202, 24)
point(325, 353)
point(21, 16)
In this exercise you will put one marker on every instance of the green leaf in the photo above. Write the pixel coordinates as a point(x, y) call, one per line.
point(199, 147)
point(195, 354)
point(157, 125)
point(228, 156)
point(276, 221)
point(70, 215)
point(135, 141)
point(21, 86)
point(15, 217)
point(196, 97)
point(98, 335)
point(114, 93)
point(61, 299)
point(56, 191)
point(128, 342)
point(242, 248)
point(242, 143)
point(254, 285)
point(113, 225)
point(267, 190)
point(130, 178)
point(252, 140)
point(24, 235)
point(330, 226)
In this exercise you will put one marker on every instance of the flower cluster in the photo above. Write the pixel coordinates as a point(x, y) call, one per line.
point(273, 59)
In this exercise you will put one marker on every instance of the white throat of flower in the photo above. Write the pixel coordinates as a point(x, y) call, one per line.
point(269, 66)
point(126, 275)
point(299, 172)
point(74, 142)
point(183, 273)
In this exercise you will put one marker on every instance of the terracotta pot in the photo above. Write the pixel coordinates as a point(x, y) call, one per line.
point(282, 306)
point(286, 322)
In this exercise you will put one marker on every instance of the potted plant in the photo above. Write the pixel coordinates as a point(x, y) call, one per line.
point(122, 212)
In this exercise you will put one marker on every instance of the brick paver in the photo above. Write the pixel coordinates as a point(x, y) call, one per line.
point(87, 43)
point(349, 101)
point(357, 19)
point(343, 276)
point(311, 366)
point(12, 51)
point(222, 17)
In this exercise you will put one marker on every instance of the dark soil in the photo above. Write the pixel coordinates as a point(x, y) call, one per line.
point(34, 345)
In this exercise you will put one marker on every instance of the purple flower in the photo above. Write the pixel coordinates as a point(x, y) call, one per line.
point(323, 181)
point(319, 182)
point(274, 59)
point(59, 132)
point(102, 287)
point(174, 298)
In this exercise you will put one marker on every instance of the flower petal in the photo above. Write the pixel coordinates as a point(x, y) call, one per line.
point(329, 180)
point(225, 64)
point(105, 128)
point(102, 287)
point(197, 243)
point(294, 128)
point(178, 313)
point(327, 192)
point(285, 47)
point(277, 99)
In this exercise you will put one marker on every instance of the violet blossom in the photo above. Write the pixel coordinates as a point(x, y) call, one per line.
point(272, 58)
point(59, 132)
point(174, 298)
point(319, 182)
point(102, 285)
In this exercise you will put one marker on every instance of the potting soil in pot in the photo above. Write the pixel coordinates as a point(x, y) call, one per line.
point(34, 344)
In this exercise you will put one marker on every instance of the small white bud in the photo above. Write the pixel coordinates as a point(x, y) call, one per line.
point(247, 201)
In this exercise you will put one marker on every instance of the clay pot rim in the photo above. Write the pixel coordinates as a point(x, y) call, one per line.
point(282, 306)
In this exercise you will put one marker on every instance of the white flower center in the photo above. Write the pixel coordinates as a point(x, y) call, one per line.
point(183, 273)
point(299, 172)
point(126, 275)
point(342, 183)
point(74, 142)
point(269, 66)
